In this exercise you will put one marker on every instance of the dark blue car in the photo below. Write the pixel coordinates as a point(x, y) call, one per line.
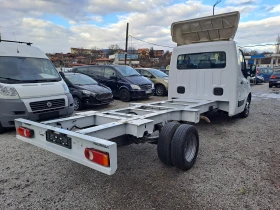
point(264, 72)
point(125, 82)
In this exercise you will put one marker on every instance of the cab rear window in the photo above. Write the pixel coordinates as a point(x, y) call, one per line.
point(204, 60)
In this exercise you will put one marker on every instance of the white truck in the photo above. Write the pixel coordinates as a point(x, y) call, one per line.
point(207, 73)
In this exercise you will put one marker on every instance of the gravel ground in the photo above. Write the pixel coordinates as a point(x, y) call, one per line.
point(238, 167)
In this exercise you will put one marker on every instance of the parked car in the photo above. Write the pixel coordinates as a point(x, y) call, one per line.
point(274, 79)
point(125, 82)
point(166, 71)
point(257, 79)
point(265, 72)
point(86, 91)
point(159, 79)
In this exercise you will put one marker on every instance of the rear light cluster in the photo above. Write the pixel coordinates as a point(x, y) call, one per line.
point(273, 77)
point(25, 132)
point(96, 156)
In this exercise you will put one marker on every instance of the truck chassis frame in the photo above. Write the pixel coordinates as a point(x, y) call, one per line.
point(97, 130)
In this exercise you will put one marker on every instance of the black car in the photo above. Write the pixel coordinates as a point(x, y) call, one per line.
point(87, 91)
point(125, 82)
point(274, 79)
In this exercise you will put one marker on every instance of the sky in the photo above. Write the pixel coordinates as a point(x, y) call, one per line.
point(58, 25)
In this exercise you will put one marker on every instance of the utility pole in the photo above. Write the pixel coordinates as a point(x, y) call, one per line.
point(126, 41)
point(217, 2)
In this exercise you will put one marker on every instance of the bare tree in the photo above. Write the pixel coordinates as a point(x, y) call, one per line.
point(277, 48)
point(151, 53)
point(132, 50)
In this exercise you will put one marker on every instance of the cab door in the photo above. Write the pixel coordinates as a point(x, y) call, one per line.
point(243, 83)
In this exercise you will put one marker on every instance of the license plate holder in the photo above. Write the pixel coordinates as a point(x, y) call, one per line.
point(59, 139)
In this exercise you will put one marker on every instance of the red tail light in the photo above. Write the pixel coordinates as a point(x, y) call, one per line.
point(96, 156)
point(25, 132)
point(273, 77)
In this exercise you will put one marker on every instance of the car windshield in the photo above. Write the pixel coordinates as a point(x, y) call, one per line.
point(127, 71)
point(81, 79)
point(158, 73)
point(21, 69)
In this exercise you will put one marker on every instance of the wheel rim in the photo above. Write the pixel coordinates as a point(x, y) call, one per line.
point(190, 148)
point(159, 90)
point(124, 95)
point(76, 104)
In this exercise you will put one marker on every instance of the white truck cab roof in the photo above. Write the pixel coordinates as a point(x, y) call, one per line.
point(20, 50)
point(207, 29)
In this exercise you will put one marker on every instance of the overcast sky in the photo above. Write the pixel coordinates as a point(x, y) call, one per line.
point(58, 25)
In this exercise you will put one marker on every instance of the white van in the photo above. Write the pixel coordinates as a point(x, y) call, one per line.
point(30, 86)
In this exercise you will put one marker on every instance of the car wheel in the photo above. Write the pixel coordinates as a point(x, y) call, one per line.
point(125, 95)
point(164, 142)
point(246, 110)
point(2, 130)
point(184, 147)
point(160, 90)
point(77, 104)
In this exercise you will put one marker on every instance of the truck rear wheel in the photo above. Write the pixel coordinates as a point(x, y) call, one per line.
point(164, 142)
point(184, 147)
point(2, 130)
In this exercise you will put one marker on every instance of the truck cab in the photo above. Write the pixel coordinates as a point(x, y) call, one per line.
point(208, 64)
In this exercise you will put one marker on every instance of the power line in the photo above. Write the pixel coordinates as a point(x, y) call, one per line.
point(260, 45)
point(150, 42)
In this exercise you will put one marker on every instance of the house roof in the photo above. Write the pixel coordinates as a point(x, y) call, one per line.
point(103, 59)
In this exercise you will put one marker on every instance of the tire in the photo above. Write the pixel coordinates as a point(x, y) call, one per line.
point(160, 90)
point(184, 147)
point(2, 130)
point(164, 142)
point(246, 110)
point(125, 95)
point(77, 104)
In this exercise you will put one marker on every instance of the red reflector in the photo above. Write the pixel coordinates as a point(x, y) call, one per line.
point(96, 156)
point(25, 132)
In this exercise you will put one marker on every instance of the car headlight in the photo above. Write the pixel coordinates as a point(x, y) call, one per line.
point(65, 87)
point(135, 87)
point(7, 92)
point(153, 85)
point(88, 93)
point(166, 80)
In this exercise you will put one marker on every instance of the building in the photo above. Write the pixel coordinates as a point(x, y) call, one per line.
point(143, 53)
point(92, 52)
point(158, 53)
point(265, 60)
point(104, 61)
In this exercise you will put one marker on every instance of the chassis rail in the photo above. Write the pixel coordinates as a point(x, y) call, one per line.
point(95, 129)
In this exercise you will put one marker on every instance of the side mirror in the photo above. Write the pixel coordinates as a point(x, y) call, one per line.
point(253, 70)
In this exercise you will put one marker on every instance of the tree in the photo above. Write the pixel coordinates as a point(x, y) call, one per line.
point(166, 53)
point(131, 50)
point(151, 52)
point(113, 49)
